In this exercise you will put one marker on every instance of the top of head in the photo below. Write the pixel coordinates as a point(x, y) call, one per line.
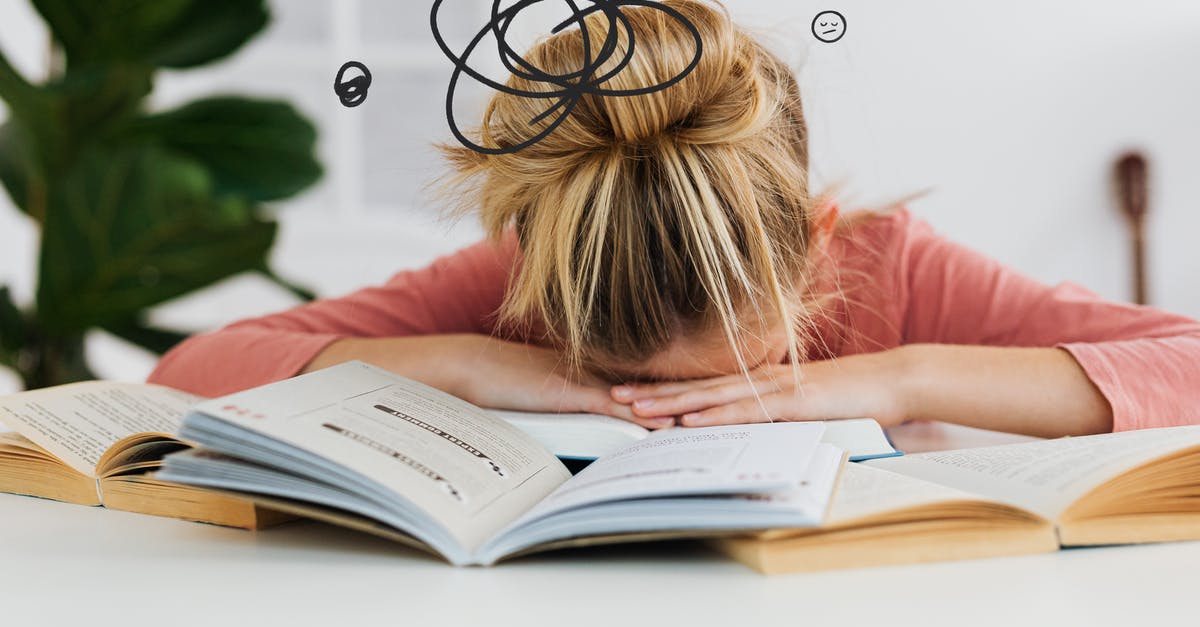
point(696, 109)
point(644, 218)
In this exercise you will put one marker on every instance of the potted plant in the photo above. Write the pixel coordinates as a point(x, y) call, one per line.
point(136, 208)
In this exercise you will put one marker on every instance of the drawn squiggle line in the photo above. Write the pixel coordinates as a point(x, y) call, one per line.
point(572, 86)
point(410, 462)
point(451, 438)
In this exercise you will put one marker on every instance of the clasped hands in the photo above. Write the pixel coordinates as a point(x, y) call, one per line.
point(848, 387)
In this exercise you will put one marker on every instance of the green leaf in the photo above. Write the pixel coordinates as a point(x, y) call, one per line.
point(74, 112)
point(209, 30)
point(128, 228)
point(17, 164)
point(25, 139)
point(98, 100)
point(12, 329)
point(258, 149)
point(22, 97)
point(161, 33)
point(148, 337)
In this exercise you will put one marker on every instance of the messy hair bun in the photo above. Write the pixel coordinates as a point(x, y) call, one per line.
point(642, 219)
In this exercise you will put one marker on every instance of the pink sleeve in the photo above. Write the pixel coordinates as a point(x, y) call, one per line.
point(457, 293)
point(1146, 362)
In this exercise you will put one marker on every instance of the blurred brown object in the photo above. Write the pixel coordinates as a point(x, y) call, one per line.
point(1132, 193)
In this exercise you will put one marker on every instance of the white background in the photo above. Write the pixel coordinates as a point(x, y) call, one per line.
point(1010, 113)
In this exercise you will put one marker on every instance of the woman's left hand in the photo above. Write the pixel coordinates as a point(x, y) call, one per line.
point(859, 386)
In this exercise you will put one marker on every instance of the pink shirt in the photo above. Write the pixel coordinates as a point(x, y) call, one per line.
point(904, 284)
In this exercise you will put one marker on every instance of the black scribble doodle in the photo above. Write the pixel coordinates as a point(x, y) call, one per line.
point(352, 91)
point(564, 90)
point(425, 471)
point(453, 439)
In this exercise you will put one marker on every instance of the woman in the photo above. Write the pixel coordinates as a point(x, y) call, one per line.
point(660, 258)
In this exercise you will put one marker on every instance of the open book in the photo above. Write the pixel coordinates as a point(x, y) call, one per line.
point(585, 437)
point(94, 442)
point(360, 446)
point(1115, 488)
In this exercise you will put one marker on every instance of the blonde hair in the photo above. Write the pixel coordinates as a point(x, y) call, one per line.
point(644, 219)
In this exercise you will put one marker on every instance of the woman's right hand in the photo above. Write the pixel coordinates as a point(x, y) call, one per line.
point(510, 375)
point(488, 372)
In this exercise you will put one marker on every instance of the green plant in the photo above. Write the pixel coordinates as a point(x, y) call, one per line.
point(137, 208)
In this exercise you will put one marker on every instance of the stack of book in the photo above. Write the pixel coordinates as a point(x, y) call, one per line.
point(364, 448)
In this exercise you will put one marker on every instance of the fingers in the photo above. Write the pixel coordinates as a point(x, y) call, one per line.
point(597, 401)
point(770, 408)
point(629, 392)
point(561, 395)
point(698, 399)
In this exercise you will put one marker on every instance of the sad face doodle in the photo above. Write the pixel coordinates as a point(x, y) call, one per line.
point(829, 26)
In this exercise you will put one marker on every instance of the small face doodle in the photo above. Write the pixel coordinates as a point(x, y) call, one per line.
point(829, 26)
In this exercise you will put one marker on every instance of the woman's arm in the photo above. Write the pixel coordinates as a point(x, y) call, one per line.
point(961, 338)
point(1033, 391)
point(430, 359)
point(432, 325)
point(456, 294)
point(1144, 362)
point(486, 371)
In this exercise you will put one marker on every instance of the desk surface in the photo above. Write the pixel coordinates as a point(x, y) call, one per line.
point(71, 565)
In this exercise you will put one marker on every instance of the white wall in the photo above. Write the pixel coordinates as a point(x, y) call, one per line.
point(1013, 115)
point(1009, 112)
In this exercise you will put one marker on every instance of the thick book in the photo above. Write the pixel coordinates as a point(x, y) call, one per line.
point(1116, 488)
point(363, 447)
point(586, 437)
point(95, 443)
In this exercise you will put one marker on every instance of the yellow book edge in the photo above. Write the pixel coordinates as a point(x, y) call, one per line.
point(29, 470)
point(1141, 487)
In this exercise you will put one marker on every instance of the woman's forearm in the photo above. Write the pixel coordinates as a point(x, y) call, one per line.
point(1034, 391)
point(429, 359)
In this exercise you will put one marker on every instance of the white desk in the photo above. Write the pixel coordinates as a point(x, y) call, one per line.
point(68, 565)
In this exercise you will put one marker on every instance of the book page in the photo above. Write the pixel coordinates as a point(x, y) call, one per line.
point(861, 438)
point(746, 459)
point(470, 471)
point(78, 422)
point(814, 492)
point(576, 436)
point(867, 491)
point(12, 439)
point(1046, 476)
point(590, 436)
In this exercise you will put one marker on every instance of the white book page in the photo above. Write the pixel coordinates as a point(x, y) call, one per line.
point(813, 493)
point(578, 436)
point(1045, 477)
point(590, 436)
point(78, 422)
point(470, 471)
point(733, 459)
point(859, 437)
